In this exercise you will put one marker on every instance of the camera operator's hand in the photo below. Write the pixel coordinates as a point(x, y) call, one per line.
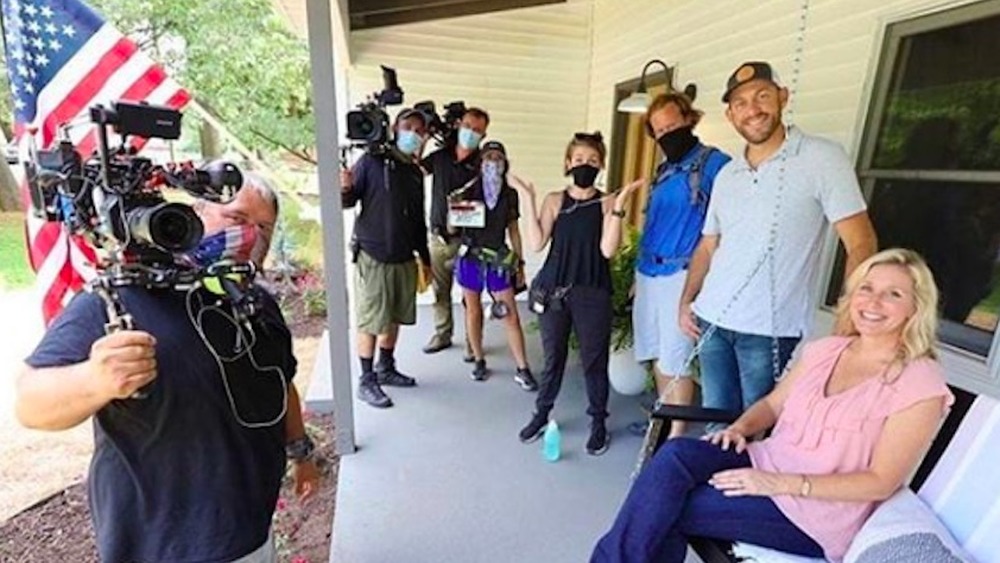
point(122, 363)
point(346, 180)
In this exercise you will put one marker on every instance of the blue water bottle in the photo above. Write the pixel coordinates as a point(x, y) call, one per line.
point(551, 442)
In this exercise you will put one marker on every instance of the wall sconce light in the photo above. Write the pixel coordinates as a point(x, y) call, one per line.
point(639, 100)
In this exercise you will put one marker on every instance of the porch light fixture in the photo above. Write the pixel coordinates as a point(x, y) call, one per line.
point(639, 100)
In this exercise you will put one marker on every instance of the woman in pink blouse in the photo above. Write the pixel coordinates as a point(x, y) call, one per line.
point(850, 422)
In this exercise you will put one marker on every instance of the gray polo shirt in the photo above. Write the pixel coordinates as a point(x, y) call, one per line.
point(812, 184)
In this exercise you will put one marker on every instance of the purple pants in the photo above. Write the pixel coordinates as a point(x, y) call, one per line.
point(474, 275)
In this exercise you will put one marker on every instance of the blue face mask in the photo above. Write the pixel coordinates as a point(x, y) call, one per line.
point(408, 142)
point(468, 139)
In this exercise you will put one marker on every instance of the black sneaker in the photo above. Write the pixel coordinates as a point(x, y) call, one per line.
point(524, 378)
point(468, 357)
point(479, 372)
point(387, 374)
point(370, 392)
point(534, 429)
point(599, 439)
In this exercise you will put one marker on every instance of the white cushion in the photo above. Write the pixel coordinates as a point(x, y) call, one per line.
point(904, 529)
point(760, 554)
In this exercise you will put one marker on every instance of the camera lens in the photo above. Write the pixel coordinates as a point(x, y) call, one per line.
point(174, 227)
point(366, 125)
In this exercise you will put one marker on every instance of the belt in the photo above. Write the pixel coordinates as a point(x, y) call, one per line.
point(668, 261)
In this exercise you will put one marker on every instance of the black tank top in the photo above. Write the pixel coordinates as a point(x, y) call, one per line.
point(575, 257)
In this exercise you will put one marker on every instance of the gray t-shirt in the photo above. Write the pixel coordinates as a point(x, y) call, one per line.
point(812, 184)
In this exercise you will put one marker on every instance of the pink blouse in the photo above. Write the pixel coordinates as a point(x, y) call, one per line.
point(818, 435)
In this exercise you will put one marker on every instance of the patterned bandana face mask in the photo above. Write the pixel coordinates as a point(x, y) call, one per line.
point(492, 172)
point(236, 244)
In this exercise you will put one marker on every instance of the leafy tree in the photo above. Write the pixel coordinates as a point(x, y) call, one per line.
point(237, 57)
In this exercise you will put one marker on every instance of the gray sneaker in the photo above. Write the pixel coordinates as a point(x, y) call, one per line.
point(370, 392)
point(387, 374)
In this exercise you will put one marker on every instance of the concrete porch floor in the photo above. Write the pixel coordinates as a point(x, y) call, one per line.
point(441, 476)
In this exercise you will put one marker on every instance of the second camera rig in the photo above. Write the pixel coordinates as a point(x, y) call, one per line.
point(368, 126)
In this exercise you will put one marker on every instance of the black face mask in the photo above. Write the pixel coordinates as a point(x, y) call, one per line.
point(584, 175)
point(677, 143)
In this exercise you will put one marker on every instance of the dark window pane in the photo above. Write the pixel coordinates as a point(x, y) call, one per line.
point(956, 227)
point(943, 109)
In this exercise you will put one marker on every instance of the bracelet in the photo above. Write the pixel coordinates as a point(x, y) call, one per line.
point(620, 213)
point(806, 488)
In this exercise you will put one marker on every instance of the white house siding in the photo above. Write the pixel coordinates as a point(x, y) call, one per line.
point(706, 39)
point(528, 68)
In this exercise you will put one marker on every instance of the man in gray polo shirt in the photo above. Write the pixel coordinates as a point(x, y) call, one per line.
point(750, 281)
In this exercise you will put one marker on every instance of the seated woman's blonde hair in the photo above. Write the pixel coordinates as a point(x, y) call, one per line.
point(920, 330)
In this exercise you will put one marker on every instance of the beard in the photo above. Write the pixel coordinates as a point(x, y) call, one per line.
point(759, 133)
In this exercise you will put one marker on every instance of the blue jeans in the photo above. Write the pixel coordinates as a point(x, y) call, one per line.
point(671, 500)
point(737, 369)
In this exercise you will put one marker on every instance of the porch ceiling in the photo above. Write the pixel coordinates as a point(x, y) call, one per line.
point(364, 14)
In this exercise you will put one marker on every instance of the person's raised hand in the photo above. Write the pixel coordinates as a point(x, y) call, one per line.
point(522, 185)
point(626, 191)
point(122, 362)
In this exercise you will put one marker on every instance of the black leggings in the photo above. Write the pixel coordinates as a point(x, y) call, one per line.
point(587, 311)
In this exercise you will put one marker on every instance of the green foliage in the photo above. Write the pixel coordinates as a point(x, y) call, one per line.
point(14, 269)
point(235, 56)
point(622, 278)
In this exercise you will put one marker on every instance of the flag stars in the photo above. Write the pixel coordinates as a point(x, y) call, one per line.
point(51, 28)
point(38, 43)
point(55, 45)
point(41, 59)
point(22, 70)
point(47, 12)
point(31, 10)
point(33, 27)
point(68, 31)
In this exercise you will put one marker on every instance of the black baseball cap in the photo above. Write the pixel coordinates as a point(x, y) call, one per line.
point(493, 146)
point(407, 113)
point(747, 72)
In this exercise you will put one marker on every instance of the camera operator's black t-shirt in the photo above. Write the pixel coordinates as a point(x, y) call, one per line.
point(174, 476)
point(494, 234)
point(449, 175)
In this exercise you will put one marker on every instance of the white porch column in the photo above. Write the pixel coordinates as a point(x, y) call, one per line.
point(321, 56)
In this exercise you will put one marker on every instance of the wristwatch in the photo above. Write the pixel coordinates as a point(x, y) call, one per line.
point(620, 213)
point(806, 488)
point(300, 449)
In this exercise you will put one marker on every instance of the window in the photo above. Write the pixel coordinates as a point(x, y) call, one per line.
point(930, 161)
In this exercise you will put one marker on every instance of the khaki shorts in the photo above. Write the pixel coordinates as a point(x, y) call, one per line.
point(385, 294)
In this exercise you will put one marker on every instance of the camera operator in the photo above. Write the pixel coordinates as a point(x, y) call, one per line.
point(191, 472)
point(452, 166)
point(387, 232)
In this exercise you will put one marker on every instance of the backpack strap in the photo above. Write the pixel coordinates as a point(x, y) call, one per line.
point(695, 175)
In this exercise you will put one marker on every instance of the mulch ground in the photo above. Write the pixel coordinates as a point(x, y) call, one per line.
point(58, 528)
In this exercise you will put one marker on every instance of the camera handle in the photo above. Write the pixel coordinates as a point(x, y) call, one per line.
point(118, 318)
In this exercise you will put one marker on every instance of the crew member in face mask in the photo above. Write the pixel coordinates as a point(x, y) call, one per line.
point(388, 233)
point(452, 166)
point(485, 261)
point(584, 226)
point(678, 200)
point(213, 418)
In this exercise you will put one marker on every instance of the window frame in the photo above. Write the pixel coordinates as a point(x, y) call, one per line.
point(969, 370)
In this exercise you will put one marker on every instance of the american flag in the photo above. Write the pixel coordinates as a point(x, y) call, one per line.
point(62, 58)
